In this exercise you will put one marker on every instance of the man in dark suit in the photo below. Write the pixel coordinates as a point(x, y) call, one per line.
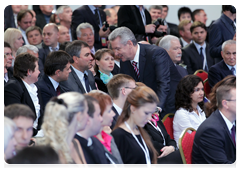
point(215, 140)
point(137, 19)
point(196, 55)
point(43, 15)
point(172, 45)
point(93, 150)
point(81, 78)
point(149, 64)
point(54, 74)
point(119, 87)
point(10, 16)
point(94, 16)
point(221, 30)
point(50, 41)
point(225, 67)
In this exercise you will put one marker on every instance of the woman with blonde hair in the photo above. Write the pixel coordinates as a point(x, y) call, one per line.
point(14, 37)
point(133, 142)
point(64, 116)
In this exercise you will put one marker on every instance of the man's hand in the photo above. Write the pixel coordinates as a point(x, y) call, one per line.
point(166, 150)
point(104, 33)
point(150, 28)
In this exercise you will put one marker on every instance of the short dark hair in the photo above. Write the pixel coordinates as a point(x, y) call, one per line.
point(184, 90)
point(23, 63)
point(196, 12)
point(74, 48)
point(56, 60)
point(6, 44)
point(32, 28)
point(23, 13)
point(91, 108)
point(226, 7)
point(16, 110)
point(197, 24)
point(184, 10)
point(165, 6)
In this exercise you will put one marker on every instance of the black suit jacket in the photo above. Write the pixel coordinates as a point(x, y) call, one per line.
point(9, 18)
point(115, 117)
point(182, 71)
point(218, 72)
point(213, 143)
point(173, 29)
point(42, 53)
point(116, 69)
point(192, 59)
point(16, 92)
point(73, 83)
point(157, 138)
point(220, 31)
point(158, 72)
point(40, 22)
point(101, 86)
point(94, 154)
point(84, 14)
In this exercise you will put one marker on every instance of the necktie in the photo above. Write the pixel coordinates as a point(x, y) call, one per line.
point(233, 70)
point(86, 83)
point(201, 54)
point(97, 16)
point(233, 133)
point(58, 90)
point(134, 64)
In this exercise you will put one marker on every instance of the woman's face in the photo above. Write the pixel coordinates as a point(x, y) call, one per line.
point(107, 116)
point(34, 75)
point(82, 118)
point(10, 150)
point(198, 94)
point(18, 42)
point(106, 63)
point(142, 114)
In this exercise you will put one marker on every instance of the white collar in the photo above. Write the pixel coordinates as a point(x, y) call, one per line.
point(136, 57)
point(228, 123)
point(54, 82)
point(119, 110)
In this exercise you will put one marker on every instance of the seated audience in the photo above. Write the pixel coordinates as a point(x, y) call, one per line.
point(133, 143)
point(21, 88)
point(211, 106)
point(35, 155)
point(64, 116)
point(196, 55)
point(34, 36)
point(185, 33)
point(184, 13)
point(44, 14)
point(105, 103)
point(215, 139)
point(81, 78)
point(14, 37)
point(118, 88)
point(189, 105)
point(92, 148)
point(9, 60)
point(85, 32)
point(225, 67)
point(9, 139)
point(104, 65)
point(53, 75)
point(173, 47)
point(23, 117)
point(63, 34)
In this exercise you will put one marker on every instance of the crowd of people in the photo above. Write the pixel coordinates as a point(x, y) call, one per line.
point(91, 86)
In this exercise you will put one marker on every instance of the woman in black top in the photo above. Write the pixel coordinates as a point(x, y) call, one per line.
point(133, 142)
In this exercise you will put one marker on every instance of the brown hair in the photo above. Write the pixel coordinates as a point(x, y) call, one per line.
point(197, 24)
point(99, 54)
point(182, 24)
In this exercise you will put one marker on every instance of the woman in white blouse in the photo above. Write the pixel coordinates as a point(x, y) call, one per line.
point(189, 105)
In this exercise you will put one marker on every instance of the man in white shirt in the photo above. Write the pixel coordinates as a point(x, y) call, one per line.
point(215, 139)
point(119, 87)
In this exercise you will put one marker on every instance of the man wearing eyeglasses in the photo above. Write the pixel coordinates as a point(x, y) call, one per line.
point(225, 67)
point(215, 139)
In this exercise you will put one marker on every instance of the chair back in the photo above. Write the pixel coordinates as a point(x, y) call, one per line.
point(168, 123)
point(202, 74)
point(207, 88)
point(185, 144)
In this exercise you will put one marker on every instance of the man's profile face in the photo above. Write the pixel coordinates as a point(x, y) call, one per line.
point(24, 131)
point(123, 51)
point(229, 54)
point(175, 51)
point(50, 36)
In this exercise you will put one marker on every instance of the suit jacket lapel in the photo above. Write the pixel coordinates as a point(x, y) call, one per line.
point(77, 80)
point(91, 15)
point(226, 24)
point(49, 85)
point(142, 61)
point(197, 59)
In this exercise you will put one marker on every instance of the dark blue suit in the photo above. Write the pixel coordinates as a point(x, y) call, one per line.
point(182, 71)
point(218, 72)
point(213, 143)
point(158, 72)
point(115, 117)
point(42, 53)
point(220, 31)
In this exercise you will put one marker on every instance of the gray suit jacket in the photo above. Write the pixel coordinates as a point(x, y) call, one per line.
point(74, 84)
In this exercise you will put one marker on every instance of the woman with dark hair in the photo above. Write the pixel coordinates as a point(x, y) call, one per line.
point(21, 88)
point(189, 105)
point(212, 105)
point(133, 142)
point(104, 65)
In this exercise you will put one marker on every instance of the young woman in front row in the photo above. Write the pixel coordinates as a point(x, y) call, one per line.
point(133, 142)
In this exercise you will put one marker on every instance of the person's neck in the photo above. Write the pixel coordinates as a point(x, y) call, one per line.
point(187, 40)
point(105, 72)
point(99, 136)
point(54, 77)
point(84, 134)
point(27, 80)
point(66, 24)
point(54, 45)
point(78, 68)
point(194, 106)
point(119, 102)
point(132, 125)
point(231, 117)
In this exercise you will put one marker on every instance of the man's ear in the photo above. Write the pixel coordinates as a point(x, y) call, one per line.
point(57, 72)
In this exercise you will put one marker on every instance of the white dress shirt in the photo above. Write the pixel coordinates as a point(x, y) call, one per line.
point(119, 110)
point(184, 119)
